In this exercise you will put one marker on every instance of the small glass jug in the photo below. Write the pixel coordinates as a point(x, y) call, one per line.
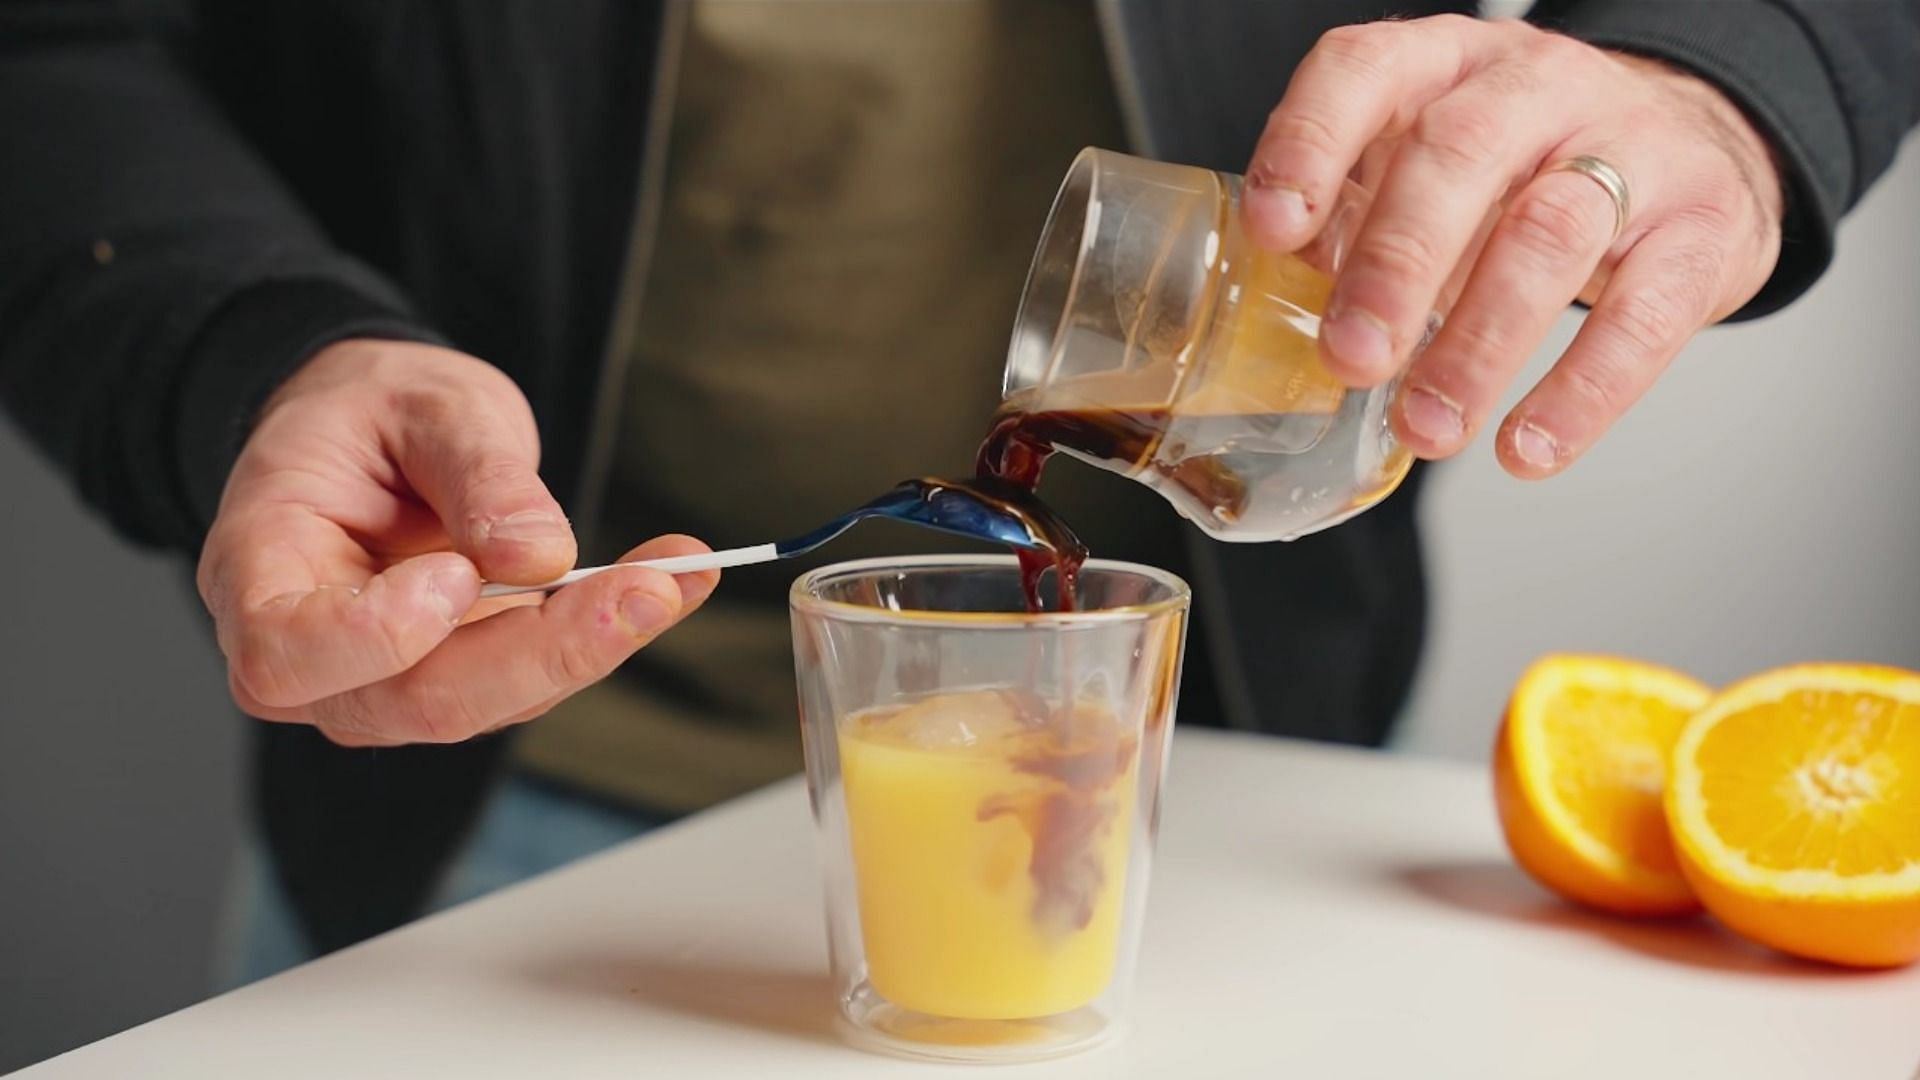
point(1153, 340)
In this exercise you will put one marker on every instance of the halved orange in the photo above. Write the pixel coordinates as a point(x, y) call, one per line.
point(1795, 806)
point(1579, 771)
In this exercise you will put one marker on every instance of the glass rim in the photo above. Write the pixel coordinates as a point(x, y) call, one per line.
point(1079, 190)
point(803, 597)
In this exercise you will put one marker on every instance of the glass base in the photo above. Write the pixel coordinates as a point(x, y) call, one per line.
point(871, 1022)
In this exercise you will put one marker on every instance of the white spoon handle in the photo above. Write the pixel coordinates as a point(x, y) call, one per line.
point(678, 564)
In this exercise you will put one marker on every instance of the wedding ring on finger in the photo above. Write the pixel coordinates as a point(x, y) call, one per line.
point(1610, 181)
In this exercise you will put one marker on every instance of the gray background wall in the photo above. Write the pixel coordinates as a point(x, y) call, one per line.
point(119, 776)
point(1761, 506)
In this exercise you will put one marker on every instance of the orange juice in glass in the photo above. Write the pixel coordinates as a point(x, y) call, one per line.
point(984, 780)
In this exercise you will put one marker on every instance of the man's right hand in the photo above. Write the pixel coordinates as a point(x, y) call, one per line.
point(381, 484)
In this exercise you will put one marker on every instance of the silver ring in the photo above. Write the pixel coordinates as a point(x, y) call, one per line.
point(1610, 181)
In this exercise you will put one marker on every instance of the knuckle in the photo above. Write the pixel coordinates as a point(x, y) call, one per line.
point(384, 642)
point(572, 664)
point(1457, 138)
point(259, 668)
point(1695, 277)
point(1556, 52)
point(1511, 78)
point(386, 363)
point(351, 740)
point(350, 713)
point(435, 711)
point(476, 385)
point(495, 471)
point(1716, 210)
point(1361, 49)
point(1303, 128)
point(1478, 348)
point(422, 404)
point(1402, 257)
point(478, 406)
point(1553, 223)
point(244, 699)
point(1644, 324)
point(1596, 387)
point(1453, 22)
point(491, 380)
point(207, 580)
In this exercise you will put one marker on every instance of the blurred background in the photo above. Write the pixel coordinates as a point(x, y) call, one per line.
point(1760, 507)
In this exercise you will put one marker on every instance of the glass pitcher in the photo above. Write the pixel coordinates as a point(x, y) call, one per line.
point(1155, 341)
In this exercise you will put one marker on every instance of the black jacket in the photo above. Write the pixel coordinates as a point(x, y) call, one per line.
point(195, 196)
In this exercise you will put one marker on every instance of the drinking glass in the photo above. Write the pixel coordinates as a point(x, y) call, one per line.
point(1173, 351)
point(985, 784)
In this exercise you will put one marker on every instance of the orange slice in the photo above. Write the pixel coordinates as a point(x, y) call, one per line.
point(1795, 805)
point(1579, 770)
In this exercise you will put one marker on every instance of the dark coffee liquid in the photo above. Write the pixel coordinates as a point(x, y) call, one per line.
point(1006, 475)
point(1058, 547)
point(1145, 443)
point(1088, 753)
point(1011, 458)
point(1131, 441)
point(1015, 453)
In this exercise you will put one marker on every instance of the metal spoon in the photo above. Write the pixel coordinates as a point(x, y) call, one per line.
point(960, 508)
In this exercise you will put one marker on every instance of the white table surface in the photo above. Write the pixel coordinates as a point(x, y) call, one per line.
point(1315, 913)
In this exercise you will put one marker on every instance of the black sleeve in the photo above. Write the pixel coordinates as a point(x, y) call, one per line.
point(156, 280)
point(1833, 84)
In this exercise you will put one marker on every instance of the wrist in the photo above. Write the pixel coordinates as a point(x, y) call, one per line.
point(258, 339)
point(1724, 122)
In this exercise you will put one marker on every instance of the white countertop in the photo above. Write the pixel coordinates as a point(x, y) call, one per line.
point(1315, 913)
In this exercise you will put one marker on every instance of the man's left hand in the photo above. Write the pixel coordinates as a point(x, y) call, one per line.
point(1475, 114)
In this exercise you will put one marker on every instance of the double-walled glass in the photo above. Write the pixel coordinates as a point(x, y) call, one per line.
point(985, 783)
point(1192, 357)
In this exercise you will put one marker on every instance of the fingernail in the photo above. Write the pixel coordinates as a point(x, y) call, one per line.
point(1361, 339)
point(443, 586)
point(528, 526)
point(1535, 447)
point(1284, 206)
point(644, 614)
point(1432, 417)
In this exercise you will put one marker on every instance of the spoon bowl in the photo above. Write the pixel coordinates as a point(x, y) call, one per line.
point(978, 509)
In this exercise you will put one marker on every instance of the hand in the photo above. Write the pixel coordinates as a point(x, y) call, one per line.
point(382, 482)
point(1466, 113)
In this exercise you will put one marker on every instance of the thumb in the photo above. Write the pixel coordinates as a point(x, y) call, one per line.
point(478, 468)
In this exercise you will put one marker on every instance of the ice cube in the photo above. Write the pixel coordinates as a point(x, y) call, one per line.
point(956, 721)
